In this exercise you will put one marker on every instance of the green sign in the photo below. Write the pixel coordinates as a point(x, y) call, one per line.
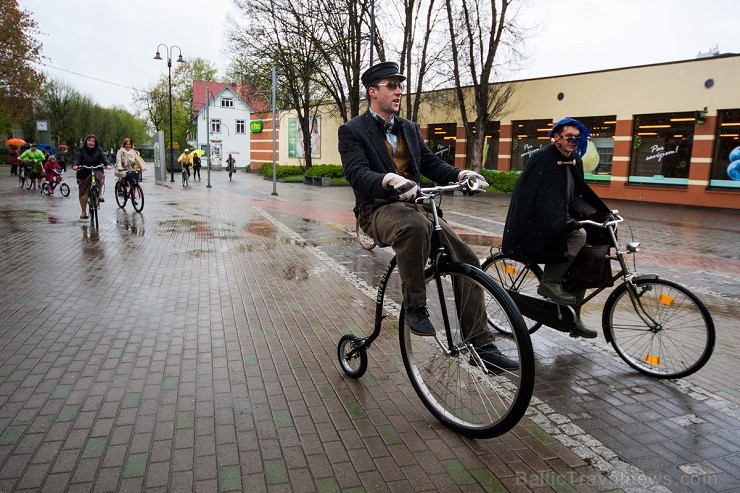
point(255, 126)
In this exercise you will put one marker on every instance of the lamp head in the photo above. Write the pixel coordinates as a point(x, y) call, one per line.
point(179, 59)
point(157, 56)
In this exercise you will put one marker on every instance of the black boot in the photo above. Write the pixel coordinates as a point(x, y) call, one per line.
point(581, 329)
point(551, 285)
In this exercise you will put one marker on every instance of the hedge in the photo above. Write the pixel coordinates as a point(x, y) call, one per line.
point(500, 181)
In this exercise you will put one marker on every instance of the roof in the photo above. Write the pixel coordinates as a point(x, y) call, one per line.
point(242, 91)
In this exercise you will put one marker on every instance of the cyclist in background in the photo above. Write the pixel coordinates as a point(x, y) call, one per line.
point(128, 162)
point(89, 154)
point(37, 163)
point(186, 160)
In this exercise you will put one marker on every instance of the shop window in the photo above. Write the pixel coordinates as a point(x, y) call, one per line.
point(726, 162)
point(527, 137)
point(490, 148)
point(661, 148)
point(442, 138)
point(602, 137)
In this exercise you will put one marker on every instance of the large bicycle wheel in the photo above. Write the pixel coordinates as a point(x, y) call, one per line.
point(463, 395)
point(121, 192)
point(137, 197)
point(514, 276)
point(679, 339)
point(45, 188)
point(64, 188)
point(29, 182)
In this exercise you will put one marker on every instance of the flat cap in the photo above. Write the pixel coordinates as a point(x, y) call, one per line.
point(381, 71)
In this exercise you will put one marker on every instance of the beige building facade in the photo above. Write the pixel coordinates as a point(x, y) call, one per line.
point(667, 133)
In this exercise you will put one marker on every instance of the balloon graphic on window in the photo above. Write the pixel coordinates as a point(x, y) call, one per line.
point(591, 158)
point(733, 170)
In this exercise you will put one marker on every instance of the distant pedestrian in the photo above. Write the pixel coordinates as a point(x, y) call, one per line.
point(12, 159)
point(196, 167)
point(62, 157)
point(231, 165)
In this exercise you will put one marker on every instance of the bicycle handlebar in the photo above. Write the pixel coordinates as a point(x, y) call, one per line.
point(616, 220)
point(80, 166)
point(469, 185)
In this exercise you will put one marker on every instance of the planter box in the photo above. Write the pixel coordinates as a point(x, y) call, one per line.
point(321, 181)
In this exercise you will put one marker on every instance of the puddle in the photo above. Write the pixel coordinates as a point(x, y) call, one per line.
point(292, 271)
point(261, 227)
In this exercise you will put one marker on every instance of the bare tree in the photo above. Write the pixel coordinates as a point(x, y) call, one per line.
point(483, 37)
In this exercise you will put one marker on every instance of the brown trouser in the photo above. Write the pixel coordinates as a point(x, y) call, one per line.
point(407, 228)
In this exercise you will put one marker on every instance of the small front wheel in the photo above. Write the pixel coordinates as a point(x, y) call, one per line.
point(356, 364)
point(64, 189)
point(137, 197)
point(659, 328)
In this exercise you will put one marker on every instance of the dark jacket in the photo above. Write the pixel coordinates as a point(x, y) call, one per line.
point(88, 157)
point(366, 160)
point(536, 224)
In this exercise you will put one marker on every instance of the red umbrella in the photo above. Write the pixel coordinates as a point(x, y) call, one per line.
point(15, 142)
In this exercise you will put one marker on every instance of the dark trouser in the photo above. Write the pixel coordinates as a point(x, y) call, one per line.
point(407, 229)
point(196, 172)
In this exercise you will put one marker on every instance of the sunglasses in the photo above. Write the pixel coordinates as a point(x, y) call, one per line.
point(572, 140)
point(393, 85)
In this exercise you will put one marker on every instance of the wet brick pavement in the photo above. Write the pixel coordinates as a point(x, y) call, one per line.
point(193, 348)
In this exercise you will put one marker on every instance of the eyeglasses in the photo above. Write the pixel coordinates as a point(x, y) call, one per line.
point(392, 85)
point(572, 140)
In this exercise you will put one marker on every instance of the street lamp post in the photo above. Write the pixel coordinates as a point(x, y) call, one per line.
point(169, 50)
point(271, 97)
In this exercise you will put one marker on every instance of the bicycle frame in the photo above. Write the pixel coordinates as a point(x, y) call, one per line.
point(437, 258)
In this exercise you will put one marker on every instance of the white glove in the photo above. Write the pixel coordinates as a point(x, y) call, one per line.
point(466, 174)
point(406, 189)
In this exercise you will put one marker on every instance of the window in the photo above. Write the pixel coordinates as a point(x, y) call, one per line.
point(490, 148)
point(215, 126)
point(241, 126)
point(527, 137)
point(726, 162)
point(661, 148)
point(602, 135)
point(227, 102)
point(442, 138)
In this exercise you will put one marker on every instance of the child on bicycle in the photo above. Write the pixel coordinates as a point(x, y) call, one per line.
point(52, 173)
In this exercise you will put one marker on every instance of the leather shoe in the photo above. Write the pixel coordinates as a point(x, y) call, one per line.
point(580, 329)
point(556, 293)
point(494, 359)
point(418, 320)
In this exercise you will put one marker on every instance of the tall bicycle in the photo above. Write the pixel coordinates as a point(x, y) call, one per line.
point(93, 202)
point(24, 174)
point(657, 327)
point(127, 188)
point(446, 371)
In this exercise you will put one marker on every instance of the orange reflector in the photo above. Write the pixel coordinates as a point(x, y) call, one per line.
point(666, 300)
point(652, 359)
point(510, 269)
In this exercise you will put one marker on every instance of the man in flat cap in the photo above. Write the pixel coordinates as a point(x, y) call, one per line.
point(384, 156)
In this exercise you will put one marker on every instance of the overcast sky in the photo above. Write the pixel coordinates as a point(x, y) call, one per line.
point(113, 42)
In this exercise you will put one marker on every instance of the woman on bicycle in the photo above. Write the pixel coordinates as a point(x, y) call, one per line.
point(549, 199)
point(89, 154)
point(128, 162)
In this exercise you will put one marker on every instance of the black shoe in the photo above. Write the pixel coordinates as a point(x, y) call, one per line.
point(582, 330)
point(494, 360)
point(418, 320)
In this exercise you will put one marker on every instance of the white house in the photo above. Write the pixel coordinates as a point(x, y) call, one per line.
point(223, 124)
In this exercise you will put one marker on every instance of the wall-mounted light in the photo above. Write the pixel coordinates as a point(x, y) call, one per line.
point(709, 83)
point(561, 96)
